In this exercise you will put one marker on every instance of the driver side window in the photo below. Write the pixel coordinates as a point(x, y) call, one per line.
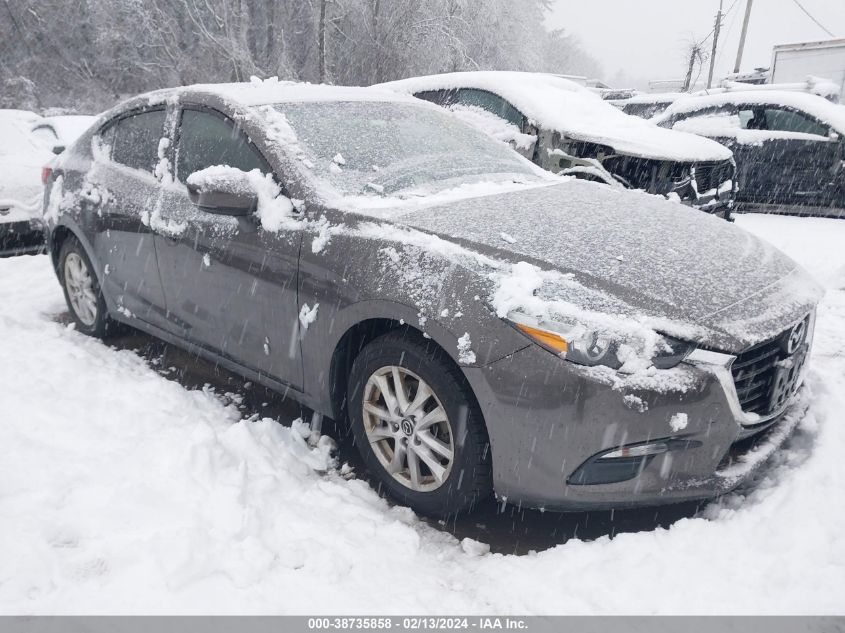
point(780, 120)
point(207, 138)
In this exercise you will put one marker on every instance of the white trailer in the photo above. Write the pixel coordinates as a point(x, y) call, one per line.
point(792, 63)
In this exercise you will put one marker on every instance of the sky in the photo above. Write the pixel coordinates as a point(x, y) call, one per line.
point(638, 40)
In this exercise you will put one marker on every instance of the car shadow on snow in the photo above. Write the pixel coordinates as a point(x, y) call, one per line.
point(507, 529)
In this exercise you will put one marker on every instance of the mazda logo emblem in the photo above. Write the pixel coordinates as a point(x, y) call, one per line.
point(796, 337)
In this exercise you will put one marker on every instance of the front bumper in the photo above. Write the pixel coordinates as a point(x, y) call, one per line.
point(546, 418)
point(21, 237)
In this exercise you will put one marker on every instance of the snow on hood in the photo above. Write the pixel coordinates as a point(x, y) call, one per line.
point(561, 105)
point(638, 255)
point(830, 113)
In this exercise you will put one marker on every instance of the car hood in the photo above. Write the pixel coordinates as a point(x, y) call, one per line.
point(638, 255)
point(652, 142)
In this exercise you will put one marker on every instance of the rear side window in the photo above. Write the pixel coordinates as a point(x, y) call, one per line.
point(207, 139)
point(490, 102)
point(136, 140)
point(440, 97)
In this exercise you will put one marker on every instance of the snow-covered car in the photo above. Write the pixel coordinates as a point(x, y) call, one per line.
point(480, 323)
point(647, 106)
point(57, 132)
point(567, 129)
point(22, 158)
point(788, 146)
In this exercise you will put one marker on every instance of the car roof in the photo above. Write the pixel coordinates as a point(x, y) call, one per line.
point(257, 92)
point(561, 105)
point(831, 113)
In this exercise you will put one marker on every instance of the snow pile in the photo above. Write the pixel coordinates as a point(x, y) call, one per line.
point(162, 170)
point(274, 209)
point(307, 315)
point(465, 354)
point(123, 492)
point(560, 105)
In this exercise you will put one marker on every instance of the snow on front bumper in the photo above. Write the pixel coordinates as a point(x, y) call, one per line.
point(547, 419)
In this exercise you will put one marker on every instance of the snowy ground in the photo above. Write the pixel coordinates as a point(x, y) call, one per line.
point(122, 491)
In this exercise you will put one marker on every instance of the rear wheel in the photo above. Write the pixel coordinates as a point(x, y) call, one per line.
point(82, 290)
point(417, 426)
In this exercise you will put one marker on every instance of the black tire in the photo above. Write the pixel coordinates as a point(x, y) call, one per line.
point(469, 478)
point(101, 325)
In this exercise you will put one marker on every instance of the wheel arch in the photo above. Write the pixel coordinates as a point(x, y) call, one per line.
point(356, 337)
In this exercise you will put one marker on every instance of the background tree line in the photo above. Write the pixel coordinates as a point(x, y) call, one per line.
point(87, 54)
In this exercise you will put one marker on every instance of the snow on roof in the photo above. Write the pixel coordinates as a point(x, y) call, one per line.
point(18, 115)
point(652, 97)
point(558, 104)
point(262, 92)
point(818, 107)
point(68, 127)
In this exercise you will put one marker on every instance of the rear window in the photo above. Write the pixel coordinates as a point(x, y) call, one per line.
point(136, 139)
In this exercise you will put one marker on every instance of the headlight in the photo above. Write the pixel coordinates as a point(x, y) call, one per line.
point(590, 347)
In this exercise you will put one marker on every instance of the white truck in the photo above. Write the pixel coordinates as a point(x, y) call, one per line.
point(793, 63)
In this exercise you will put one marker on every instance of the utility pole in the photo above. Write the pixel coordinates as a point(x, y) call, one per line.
point(748, 4)
point(715, 42)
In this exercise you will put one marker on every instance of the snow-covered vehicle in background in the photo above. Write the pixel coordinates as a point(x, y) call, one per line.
point(58, 132)
point(481, 324)
point(28, 143)
point(567, 129)
point(22, 158)
point(789, 146)
point(647, 106)
point(652, 105)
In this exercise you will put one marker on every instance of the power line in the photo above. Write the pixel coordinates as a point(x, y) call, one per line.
point(809, 15)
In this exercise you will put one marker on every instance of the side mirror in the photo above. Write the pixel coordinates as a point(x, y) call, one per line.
point(229, 193)
point(834, 136)
point(58, 149)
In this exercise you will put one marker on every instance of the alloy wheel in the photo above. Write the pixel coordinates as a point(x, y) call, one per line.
point(408, 428)
point(80, 289)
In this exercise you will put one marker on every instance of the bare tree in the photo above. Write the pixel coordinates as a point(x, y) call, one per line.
point(89, 53)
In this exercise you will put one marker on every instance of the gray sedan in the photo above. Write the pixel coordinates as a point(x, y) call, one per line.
point(480, 324)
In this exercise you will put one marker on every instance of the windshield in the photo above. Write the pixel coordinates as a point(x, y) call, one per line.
point(387, 148)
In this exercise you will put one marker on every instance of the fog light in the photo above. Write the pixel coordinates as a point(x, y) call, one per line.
point(625, 462)
point(638, 450)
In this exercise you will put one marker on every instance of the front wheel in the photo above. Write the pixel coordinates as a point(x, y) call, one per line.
point(417, 425)
point(82, 290)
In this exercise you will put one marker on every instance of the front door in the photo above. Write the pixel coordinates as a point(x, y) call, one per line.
point(230, 285)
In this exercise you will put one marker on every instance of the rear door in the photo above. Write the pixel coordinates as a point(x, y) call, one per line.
point(230, 285)
point(123, 192)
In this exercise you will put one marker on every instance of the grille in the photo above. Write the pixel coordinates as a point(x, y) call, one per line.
point(710, 175)
point(753, 372)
